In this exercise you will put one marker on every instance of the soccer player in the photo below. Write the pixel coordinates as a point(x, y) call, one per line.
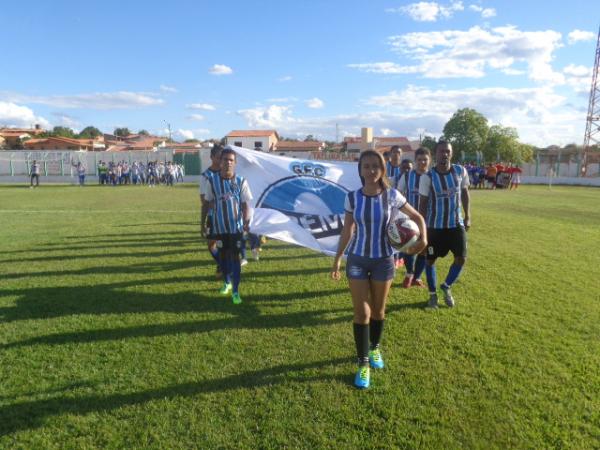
point(34, 171)
point(444, 194)
point(515, 177)
point(408, 185)
point(370, 264)
point(229, 198)
point(393, 167)
point(206, 222)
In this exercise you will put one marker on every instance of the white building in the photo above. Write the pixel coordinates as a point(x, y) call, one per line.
point(260, 140)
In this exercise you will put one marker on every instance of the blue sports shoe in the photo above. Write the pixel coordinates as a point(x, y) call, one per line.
point(375, 359)
point(363, 377)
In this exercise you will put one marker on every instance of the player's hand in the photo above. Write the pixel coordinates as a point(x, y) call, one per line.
point(418, 247)
point(467, 222)
point(335, 270)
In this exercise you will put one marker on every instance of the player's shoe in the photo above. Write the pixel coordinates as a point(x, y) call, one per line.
point(255, 254)
point(243, 262)
point(407, 281)
point(226, 289)
point(375, 359)
point(363, 377)
point(236, 299)
point(417, 282)
point(447, 295)
point(433, 301)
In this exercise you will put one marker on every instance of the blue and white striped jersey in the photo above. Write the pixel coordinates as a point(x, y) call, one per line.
point(408, 185)
point(444, 207)
point(371, 216)
point(228, 195)
point(205, 178)
point(392, 171)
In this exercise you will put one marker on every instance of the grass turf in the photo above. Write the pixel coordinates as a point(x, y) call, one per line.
point(112, 334)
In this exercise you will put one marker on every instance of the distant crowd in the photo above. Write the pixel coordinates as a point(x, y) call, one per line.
point(494, 176)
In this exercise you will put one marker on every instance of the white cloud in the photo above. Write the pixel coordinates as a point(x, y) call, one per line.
point(579, 78)
point(315, 103)
point(470, 53)
point(486, 13)
point(185, 134)
point(282, 100)
point(13, 115)
point(578, 71)
point(387, 132)
point(169, 89)
point(580, 35)
point(201, 106)
point(98, 100)
point(428, 11)
point(284, 78)
point(220, 69)
point(66, 120)
point(198, 117)
point(386, 67)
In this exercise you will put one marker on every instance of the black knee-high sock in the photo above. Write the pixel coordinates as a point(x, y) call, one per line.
point(375, 332)
point(361, 339)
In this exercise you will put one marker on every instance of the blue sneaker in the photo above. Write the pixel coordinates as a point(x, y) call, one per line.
point(375, 359)
point(363, 377)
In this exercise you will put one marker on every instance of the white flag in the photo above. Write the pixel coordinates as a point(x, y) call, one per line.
point(298, 201)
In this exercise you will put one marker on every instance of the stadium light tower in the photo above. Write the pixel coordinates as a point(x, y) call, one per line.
point(592, 128)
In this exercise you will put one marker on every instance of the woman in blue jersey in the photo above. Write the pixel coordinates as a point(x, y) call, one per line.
point(370, 264)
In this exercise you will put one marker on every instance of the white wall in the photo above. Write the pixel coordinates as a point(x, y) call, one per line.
point(249, 142)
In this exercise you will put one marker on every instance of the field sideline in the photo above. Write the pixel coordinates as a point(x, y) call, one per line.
point(112, 334)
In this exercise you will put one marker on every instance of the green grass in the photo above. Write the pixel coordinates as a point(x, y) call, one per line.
point(112, 335)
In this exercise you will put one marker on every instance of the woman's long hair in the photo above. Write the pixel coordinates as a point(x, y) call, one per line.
point(383, 181)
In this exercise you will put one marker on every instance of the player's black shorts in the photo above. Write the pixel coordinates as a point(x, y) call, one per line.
point(210, 234)
point(231, 242)
point(442, 241)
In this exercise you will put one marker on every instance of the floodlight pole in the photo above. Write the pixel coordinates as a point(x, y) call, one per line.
point(592, 128)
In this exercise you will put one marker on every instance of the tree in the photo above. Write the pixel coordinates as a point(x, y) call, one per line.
point(90, 132)
point(502, 144)
point(189, 141)
point(122, 132)
point(467, 131)
point(428, 142)
point(144, 133)
point(309, 137)
point(63, 132)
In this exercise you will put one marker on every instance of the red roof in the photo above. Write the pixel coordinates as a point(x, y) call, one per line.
point(298, 146)
point(252, 133)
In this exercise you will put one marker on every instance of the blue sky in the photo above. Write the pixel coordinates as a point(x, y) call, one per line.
point(299, 67)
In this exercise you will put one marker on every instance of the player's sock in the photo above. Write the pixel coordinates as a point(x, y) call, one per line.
point(361, 339)
point(215, 254)
point(453, 274)
point(375, 332)
point(224, 265)
point(236, 270)
point(419, 266)
point(431, 278)
point(409, 263)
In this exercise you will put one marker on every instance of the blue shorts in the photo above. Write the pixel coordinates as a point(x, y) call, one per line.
point(364, 268)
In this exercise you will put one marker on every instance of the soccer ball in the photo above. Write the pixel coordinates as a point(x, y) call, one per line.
point(402, 232)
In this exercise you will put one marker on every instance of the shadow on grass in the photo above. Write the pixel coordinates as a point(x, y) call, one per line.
point(121, 298)
point(32, 414)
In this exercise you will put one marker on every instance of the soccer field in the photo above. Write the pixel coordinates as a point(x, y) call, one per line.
point(112, 334)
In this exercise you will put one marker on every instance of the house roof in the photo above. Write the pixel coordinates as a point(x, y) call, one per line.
point(252, 133)
point(16, 131)
point(298, 146)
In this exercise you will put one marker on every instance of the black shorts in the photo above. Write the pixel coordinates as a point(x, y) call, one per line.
point(210, 234)
point(230, 242)
point(442, 241)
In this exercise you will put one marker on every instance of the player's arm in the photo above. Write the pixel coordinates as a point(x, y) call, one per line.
point(345, 236)
point(416, 217)
point(246, 216)
point(465, 198)
point(204, 214)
